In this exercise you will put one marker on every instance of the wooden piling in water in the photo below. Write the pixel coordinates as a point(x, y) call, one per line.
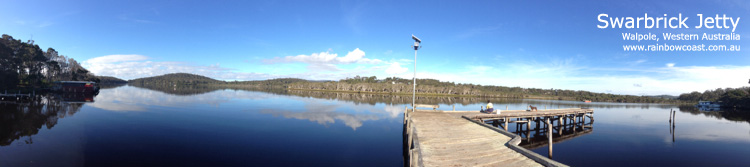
point(506, 123)
point(549, 136)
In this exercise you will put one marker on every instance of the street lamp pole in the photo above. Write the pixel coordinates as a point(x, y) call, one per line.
point(414, 82)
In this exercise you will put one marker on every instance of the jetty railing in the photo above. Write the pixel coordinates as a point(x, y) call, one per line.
point(16, 96)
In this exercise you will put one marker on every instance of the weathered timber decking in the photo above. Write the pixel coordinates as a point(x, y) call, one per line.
point(449, 141)
point(462, 138)
point(446, 139)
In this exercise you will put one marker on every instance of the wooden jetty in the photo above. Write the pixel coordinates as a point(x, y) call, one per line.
point(16, 96)
point(450, 138)
point(525, 116)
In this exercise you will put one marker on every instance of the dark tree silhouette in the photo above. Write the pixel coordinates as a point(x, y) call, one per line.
point(27, 65)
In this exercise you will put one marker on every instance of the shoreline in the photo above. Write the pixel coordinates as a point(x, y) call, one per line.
point(560, 98)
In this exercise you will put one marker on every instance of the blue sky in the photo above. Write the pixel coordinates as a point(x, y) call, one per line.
point(544, 44)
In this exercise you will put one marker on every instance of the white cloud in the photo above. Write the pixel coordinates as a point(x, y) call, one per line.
point(326, 61)
point(354, 56)
point(670, 64)
point(395, 68)
point(322, 57)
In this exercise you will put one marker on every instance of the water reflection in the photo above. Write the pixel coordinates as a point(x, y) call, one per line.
point(111, 86)
point(324, 117)
point(20, 119)
point(130, 98)
point(186, 90)
point(553, 104)
point(177, 90)
point(394, 103)
point(537, 137)
point(672, 123)
point(321, 111)
point(373, 99)
point(734, 115)
point(327, 112)
point(217, 128)
point(536, 132)
point(720, 127)
point(245, 128)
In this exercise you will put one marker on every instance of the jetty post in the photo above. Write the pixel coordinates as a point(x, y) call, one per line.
point(414, 90)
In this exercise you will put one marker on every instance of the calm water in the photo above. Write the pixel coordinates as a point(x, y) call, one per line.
point(131, 126)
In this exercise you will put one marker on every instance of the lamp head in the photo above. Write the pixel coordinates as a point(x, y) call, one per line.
point(416, 39)
point(416, 42)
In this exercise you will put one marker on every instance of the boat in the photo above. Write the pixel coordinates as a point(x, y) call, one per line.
point(75, 86)
point(587, 101)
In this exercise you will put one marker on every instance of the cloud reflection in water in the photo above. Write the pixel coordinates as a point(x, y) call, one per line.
point(321, 111)
point(325, 112)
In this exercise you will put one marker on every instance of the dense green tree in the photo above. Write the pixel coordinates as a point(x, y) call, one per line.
point(728, 97)
point(738, 98)
point(27, 65)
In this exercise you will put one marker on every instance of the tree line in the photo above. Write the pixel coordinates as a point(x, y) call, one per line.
point(26, 65)
point(394, 85)
point(728, 97)
point(436, 87)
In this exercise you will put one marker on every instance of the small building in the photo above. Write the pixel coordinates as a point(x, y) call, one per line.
point(75, 86)
point(708, 105)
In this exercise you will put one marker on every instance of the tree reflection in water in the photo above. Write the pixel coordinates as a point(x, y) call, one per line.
point(397, 100)
point(19, 119)
point(734, 115)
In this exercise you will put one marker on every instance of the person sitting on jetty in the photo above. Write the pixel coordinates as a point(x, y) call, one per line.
point(489, 108)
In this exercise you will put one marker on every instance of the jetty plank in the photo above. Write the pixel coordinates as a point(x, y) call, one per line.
point(463, 138)
point(446, 140)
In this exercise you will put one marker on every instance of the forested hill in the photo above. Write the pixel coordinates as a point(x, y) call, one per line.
point(186, 78)
point(176, 78)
